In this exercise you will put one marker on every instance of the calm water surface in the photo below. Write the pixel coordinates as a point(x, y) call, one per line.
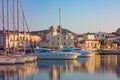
point(98, 67)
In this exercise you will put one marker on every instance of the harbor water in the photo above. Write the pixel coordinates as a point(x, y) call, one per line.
point(97, 67)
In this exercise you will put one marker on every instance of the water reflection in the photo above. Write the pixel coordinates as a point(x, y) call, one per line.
point(17, 72)
point(105, 67)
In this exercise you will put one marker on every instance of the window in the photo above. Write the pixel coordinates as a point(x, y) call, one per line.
point(20, 38)
point(10, 39)
point(103, 35)
point(66, 50)
point(97, 35)
point(77, 49)
point(69, 44)
point(53, 44)
point(43, 50)
point(64, 38)
point(23, 38)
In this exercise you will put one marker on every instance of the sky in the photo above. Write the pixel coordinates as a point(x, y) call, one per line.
point(79, 16)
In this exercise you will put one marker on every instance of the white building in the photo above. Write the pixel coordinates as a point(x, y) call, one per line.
point(53, 39)
point(12, 40)
point(100, 35)
point(90, 36)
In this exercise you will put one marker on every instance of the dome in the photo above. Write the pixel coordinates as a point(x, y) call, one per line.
point(53, 29)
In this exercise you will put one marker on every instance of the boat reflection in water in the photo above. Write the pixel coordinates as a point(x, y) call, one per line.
point(17, 72)
point(93, 68)
point(98, 67)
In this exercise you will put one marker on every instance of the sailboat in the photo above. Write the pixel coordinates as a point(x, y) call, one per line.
point(15, 57)
point(5, 59)
point(23, 57)
point(44, 53)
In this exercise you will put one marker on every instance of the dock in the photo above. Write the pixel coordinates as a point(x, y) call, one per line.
point(109, 52)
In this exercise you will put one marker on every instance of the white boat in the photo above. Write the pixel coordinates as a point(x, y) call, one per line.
point(20, 60)
point(33, 56)
point(83, 53)
point(7, 60)
point(44, 53)
point(29, 58)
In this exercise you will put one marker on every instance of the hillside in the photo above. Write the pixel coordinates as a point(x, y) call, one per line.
point(64, 31)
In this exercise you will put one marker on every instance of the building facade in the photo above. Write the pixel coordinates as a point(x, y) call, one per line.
point(87, 42)
point(17, 40)
point(55, 40)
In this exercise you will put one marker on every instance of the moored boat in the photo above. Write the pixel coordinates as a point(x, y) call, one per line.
point(83, 53)
point(6, 60)
point(29, 58)
point(44, 53)
point(20, 60)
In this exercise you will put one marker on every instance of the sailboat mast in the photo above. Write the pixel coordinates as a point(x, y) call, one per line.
point(24, 34)
point(59, 16)
point(13, 26)
point(18, 20)
point(8, 14)
point(3, 24)
point(8, 23)
point(60, 28)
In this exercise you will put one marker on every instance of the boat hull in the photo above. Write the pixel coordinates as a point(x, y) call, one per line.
point(20, 60)
point(56, 56)
point(7, 61)
point(87, 55)
point(29, 58)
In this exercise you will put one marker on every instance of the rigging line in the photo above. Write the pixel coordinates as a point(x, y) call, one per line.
point(0, 19)
point(24, 16)
point(18, 15)
point(14, 22)
point(12, 15)
point(8, 24)
point(8, 14)
point(3, 22)
point(22, 21)
point(13, 26)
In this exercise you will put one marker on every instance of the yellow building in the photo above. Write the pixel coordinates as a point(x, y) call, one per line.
point(88, 42)
point(66, 41)
point(92, 44)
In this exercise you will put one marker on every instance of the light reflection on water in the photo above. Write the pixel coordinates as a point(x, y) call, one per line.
point(98, 67)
